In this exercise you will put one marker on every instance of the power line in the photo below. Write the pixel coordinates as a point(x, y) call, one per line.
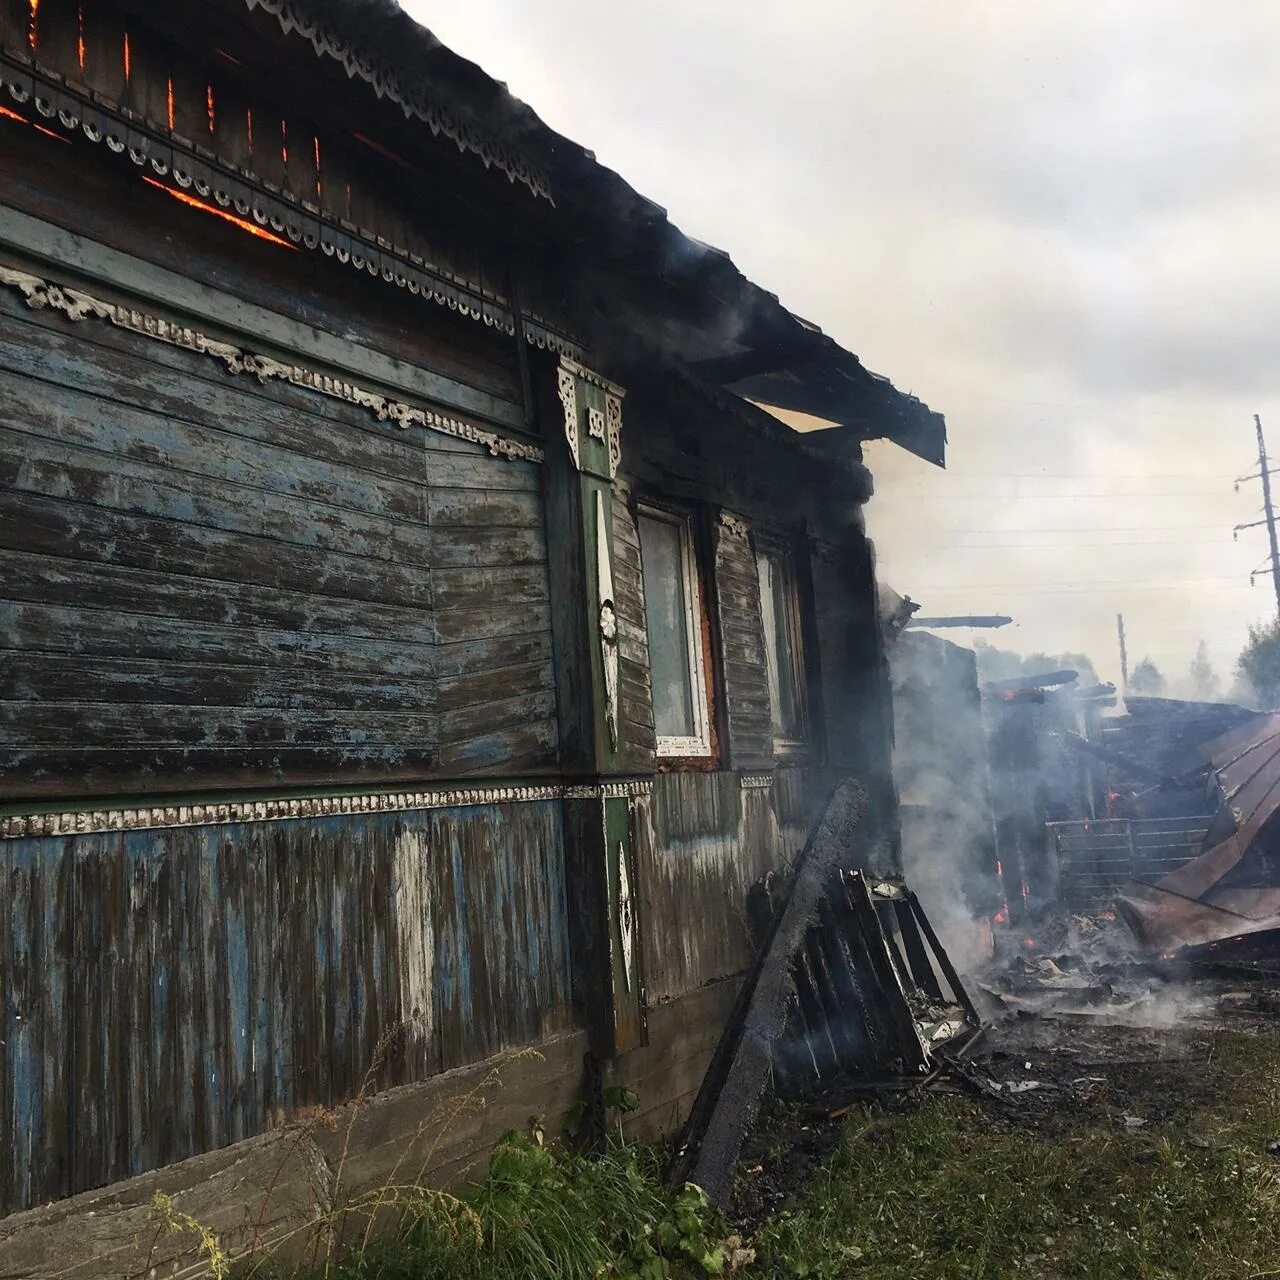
point(1066, 546)
point(1128, 497)
point(1096, 589)
point(1083, 475)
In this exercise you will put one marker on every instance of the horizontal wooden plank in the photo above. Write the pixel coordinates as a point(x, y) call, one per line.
point(479, 548)
point(491, 623)
point(475, 588)
point(53, 411)
point(103, 634)
point(529, 745)
point(159, 547)
point(478, 656)
point(83, 585)
point(27, 772)
point(467, 722)
point(63, 679)
point(484, 508)
point(30, 465)
point(494, 684)
point(113, 725)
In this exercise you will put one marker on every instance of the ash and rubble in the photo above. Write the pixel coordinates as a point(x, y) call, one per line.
point(1077, 1015)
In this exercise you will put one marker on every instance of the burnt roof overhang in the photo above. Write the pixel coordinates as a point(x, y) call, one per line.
point(728, 331)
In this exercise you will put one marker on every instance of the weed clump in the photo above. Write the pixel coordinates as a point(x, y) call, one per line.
point(539, 1212)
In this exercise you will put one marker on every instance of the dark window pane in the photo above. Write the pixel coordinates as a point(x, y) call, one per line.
point(665, 592)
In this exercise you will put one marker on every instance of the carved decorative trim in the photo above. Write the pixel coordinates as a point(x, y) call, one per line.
point(77, 305)
point(216, 813)
point(734, 526)
point(605, 426)
point(613, 425)
point(567, 389)
point(626, 917)
point(755, 781)
point(607, 614)
point(412, 98)
point(173, 159)
point(224, 814)
point(628, 789)
point(591, 376)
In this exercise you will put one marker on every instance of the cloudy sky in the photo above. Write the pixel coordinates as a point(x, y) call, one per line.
point(1055, 222)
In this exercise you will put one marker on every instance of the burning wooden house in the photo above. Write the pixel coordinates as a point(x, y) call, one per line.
point(417, 636)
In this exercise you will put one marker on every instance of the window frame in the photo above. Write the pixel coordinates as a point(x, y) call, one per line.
point(699, 746)
point(782, 554)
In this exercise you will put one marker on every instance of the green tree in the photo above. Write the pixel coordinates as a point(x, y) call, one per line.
point(1146, 680)
point(1203, 679)
point(1258, 666)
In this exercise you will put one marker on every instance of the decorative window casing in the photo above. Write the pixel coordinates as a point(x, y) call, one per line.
point(678, 672)
point(784, 646)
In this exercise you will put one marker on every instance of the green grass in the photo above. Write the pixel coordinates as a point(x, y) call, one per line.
point(943, 1192)
point(540, 1213)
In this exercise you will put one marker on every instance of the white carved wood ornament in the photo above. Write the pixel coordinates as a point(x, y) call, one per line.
point(607, 620)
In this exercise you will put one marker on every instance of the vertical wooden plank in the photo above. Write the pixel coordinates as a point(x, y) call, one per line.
point(188, 997)
point(100, 1034)
point(259, 926)
point(233, 943)
point(137, 978)
point(52, 31)
point(286, 855)
point(40, 1065)
point(8, 1144)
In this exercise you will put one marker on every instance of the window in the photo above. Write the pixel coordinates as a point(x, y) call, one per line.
point(784, 650)
point(673, 618)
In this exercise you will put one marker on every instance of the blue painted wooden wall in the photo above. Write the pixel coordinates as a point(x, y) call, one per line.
point(168, 992)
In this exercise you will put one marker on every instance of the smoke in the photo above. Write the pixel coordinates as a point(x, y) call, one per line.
point(948, 840)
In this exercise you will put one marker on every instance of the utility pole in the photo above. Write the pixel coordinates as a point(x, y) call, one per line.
point(1269, 515)
point(1124, 655)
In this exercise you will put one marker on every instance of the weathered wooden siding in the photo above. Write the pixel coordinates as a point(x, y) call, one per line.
point(712, 839)
point(170, 992)
point(742, 640)
point(208, 579)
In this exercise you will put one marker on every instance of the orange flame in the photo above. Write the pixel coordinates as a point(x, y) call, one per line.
point(243, 223)
point(80, 47)
point(6, 114)
point(128, 61)
point(33, 33)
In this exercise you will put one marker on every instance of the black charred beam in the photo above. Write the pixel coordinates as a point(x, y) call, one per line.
point(966, 620)
point(729, 1099)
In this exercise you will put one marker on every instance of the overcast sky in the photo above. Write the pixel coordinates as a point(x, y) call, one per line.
point(1058, 223)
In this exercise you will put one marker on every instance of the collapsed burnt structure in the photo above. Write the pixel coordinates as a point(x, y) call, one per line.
point(415, 647)
point(1230, 887)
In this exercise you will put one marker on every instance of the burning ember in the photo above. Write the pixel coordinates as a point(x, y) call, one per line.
point(243, 223)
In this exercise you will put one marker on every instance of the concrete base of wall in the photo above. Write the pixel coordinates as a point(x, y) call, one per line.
point(278, 1191)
